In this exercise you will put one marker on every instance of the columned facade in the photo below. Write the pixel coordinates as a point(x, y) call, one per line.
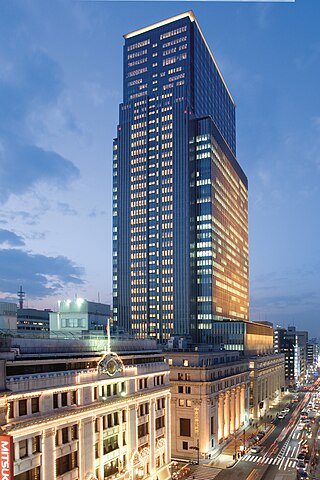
point(267, 380)
point(208, 405)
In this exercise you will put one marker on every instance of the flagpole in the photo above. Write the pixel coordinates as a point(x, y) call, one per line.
point(108, 335)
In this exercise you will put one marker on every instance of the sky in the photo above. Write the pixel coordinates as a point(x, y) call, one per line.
point(60, 87)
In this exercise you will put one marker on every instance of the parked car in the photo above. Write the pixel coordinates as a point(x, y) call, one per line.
point(281, 416)
point(303, 475)
point(301, 456)
point(301, 465)
point(285, 410)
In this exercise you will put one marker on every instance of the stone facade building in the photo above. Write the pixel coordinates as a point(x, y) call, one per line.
point(210, 400)
point(77, 414)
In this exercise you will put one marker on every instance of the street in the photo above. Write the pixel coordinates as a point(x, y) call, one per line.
point(277, 459)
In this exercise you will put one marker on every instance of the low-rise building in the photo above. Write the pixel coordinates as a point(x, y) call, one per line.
point(250, 338)
point(77, 413)
point(267, 381)
point(79, 315)
point(33, 320)
point(209, 400)
point(8, 316)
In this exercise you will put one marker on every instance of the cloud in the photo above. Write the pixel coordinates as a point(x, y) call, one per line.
point(95, 213)
point(65, 209)
point(8, 216)
point(29, 165)
point(10, 238)
point(31, 85)
point(40, 275)
point(35, 80)
point(263, 11)
point(275, 303)
point(98, 94)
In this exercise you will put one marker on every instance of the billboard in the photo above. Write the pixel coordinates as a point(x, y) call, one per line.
point(6, 457)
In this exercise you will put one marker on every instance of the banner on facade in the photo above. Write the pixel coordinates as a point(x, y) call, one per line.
point(6, 457)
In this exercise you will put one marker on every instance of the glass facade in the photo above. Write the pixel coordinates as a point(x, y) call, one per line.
point(180, 251)
point(249, 337)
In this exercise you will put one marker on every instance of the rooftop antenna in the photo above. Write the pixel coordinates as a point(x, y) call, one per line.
point(21, 295)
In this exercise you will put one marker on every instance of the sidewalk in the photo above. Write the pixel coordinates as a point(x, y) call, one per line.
point(225, 459)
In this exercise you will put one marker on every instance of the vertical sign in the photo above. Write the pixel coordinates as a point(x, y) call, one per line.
point(6, 457)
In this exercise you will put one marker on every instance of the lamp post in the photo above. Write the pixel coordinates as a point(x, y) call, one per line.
point(197, 450)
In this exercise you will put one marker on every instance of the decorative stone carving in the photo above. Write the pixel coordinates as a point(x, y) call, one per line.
point(49, 432)
point(111, 364)
point(90, 476)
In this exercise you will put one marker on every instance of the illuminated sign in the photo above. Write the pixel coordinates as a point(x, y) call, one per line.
point(6, 457)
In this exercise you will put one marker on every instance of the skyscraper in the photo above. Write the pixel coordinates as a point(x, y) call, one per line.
point(180, 232)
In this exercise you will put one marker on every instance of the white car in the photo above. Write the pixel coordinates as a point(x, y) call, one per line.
point(255, 449)
point(281, 416)
point(285, 410)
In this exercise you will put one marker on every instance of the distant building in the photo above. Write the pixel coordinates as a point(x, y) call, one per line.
point(76, 413)
point(8, 316)
point(293, 343)
point(302, 341)
point(286, 345)
point(79, 316)
point(33, 320)
point(312, 353)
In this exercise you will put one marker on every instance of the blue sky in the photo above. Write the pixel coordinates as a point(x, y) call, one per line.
point(60, 86)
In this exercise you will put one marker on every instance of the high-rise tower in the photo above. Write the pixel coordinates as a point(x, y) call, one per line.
point(180, 232)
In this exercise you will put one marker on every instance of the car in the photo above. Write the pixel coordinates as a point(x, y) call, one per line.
point(259, 435)
point(301, 456)
point(256, 449)
point(302, 475)
point(281, 416)
point(285, 410)
point(300, 426)
point(301, 465)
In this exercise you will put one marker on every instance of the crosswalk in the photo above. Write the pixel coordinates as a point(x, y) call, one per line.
point(290, 463)
point(204, 473)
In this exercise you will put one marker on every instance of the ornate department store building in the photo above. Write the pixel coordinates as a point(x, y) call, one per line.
point(77, 414)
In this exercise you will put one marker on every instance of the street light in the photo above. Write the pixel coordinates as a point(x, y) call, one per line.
point(244, 439)
point(198, 451)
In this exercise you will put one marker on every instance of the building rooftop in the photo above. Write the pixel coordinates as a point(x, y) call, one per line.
point(167, 21)
point(16, 344)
